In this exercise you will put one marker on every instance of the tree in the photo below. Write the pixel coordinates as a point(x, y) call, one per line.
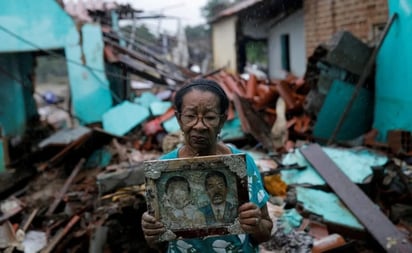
point(198, 38)
point(213, 7)
point(196, 32)
point(256, 52)
point(142, 32)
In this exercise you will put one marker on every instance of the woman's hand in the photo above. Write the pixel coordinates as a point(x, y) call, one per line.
point(255, 221)
point(152, 229)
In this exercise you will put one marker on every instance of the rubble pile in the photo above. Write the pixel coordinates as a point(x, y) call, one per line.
point(89, 205)
point(87, 191)
point(82, 189)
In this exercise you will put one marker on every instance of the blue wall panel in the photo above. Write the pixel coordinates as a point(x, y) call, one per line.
point(42, 23)
point(91, 96)
point(358, 120)
point(393, 74)
point(12, 107)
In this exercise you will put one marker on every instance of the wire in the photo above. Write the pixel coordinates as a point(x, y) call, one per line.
point(49, 52)
point(22, 83)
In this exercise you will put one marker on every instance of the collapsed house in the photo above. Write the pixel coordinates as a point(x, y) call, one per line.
point(82, 188)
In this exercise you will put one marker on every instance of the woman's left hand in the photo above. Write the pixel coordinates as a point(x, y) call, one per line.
point(249, 217)
point(255, 221)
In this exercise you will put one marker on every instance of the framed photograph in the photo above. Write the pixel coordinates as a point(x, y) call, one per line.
point(197, 197)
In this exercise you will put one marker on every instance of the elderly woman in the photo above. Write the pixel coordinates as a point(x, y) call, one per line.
point(201, 109)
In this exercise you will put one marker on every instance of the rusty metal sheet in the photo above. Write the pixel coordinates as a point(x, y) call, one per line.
point(377, 224)
point(252, 122)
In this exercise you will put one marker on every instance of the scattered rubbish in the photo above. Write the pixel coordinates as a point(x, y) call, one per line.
point(76, 183)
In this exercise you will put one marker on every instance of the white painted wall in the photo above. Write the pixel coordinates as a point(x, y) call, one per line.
point(294, 26)
point(224, 43)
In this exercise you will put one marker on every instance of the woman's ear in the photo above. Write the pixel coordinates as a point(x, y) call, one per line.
point(223, 119)
point(224, 116)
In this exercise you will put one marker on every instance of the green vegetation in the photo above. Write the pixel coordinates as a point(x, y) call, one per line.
point(142, 32)
point(197, 32)
point(256, 53)
point(213, 7)
point(51, 69)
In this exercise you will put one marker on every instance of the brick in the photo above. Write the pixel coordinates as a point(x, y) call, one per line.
point(324, 17)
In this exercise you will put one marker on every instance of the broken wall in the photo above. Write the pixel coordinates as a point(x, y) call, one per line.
point(90, 89)
point(28, 28)
point(41, 26)
point(24, 29)
point(323, 18)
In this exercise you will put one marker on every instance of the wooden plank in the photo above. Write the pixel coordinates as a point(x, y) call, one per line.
point(378, 225)
point(66, 186)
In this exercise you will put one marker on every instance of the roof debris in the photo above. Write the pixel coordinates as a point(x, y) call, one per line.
point(86, 188)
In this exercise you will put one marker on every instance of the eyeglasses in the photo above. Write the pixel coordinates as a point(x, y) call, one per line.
point(191, 119)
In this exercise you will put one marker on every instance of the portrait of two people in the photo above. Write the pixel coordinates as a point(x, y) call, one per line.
point(182, 209)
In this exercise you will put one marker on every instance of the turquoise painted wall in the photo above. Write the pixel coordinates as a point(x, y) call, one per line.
point(26, 63)
point(328, 206)
point(393, 74)
point(333, 107)
point(2, 157)
point(16, 105)
point(27, 25)
point(90, 89)
point(42, 22)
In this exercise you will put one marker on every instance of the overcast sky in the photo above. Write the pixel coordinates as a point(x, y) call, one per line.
point(187, 10)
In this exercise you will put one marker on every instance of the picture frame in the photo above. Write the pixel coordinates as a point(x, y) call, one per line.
point(185, 194)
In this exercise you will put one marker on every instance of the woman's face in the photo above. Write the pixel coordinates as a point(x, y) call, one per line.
point(200, 119)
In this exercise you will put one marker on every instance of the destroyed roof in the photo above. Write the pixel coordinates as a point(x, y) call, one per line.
point(258, 9)
point(82, 10)
point(135, 56)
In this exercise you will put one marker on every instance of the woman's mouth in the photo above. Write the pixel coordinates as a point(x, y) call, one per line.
point(199, 139)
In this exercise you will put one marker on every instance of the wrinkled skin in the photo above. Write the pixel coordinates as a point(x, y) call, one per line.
point(200, 138)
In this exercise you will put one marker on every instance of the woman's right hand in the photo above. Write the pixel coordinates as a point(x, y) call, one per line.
point(152, 229)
